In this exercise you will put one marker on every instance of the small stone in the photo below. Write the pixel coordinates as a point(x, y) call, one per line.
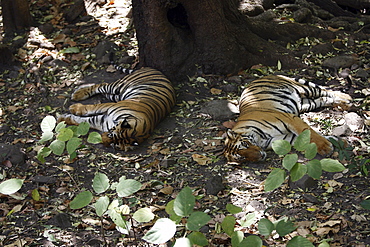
point(354, 121)
point(304, 183)
point(362, 73)
point(214, 185)
point(220, 109)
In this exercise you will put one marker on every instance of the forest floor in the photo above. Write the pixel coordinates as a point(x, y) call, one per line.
point(184, 150)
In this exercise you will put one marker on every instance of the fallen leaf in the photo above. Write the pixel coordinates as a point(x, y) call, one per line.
point(167, 190)
point(229, 124)
point(201, 159)
point(216, 91)
point(59, 39)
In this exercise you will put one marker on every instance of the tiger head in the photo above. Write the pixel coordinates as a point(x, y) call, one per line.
point(240, 147)
point(124, 135)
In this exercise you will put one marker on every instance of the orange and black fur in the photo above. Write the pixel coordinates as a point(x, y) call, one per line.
point(269, 111)
point(140, 101)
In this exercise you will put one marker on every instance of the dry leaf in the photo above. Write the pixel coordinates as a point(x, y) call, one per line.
point(59, 39)
point(201, 159)
point(216, 91)
point(167, 190)
point(229, 124)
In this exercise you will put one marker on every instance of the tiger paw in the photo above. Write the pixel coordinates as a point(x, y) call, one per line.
point(77, 109)
point(67, 118)
point(324, 147)
point(81, 93)
point(107, 141)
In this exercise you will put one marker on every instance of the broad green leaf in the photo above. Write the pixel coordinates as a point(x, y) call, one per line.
point(10, 186)
point(289, 161)
point(228, 225)
point(73, 144)
point(281, 147)
point(42, 153)
point(331, 165)
point(248, 220)
point(81, 200)
point(57, 147)
point(100, 183)
point(299, 241)
point(65, 134)
point(183, 242)
point(198, 239)
point(171, 212)
point(35, 195)
point(365, 204)
point(237, 238)
point(122, 225)
point(184, 202)
point(251, 241)
point(101, 205)
point(278, 65)
point(314, 169)
point(60, 126)
point(298, 171)
point(302, 140)
point(83, 128)
point(232, 209)
point(196, 220)
point(127, 187)
point(162, 231)
point(274, 179)
point(70, 50)
point(46, 136)
point(94, 138)
point(143, 215)
point(324, 244)
point(265, 227)
point(311, 151)
point(284, 227)
point(48, 124)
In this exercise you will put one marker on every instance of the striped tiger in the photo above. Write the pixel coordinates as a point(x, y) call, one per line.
point(269, 111)
point(140, 101)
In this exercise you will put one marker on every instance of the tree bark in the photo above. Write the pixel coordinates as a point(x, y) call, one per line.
point(181, 37)
point(16, 16)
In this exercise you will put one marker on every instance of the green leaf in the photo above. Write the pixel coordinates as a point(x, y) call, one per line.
point(83, 128)
point(324, 244)
point(35, 195)
point(73, 144)
point(232, 209)
point(284, 227)
point(65, 134)
point(237, 238)
point(248, 220)
point(196, 220)
point(60, 126)
point(101, 205)
point(169, 210)
point(42, 153)
point(94, 138)
point(251, 241)
point(122, 224)
point(48, 124)
point(143, 215)
point(311, 151)
point(184, 202)
point(10, 186)
point(57, 147)
point(265, 227)
point(331, 165)
point(198, 239)
point(365, 204)
point(183, 242)
point(274, 179)
point(302, 140)
point(299, 241)
point(289, 161)
point(81, 200)
point(46, 136)
point(228, 225)
point(127, 187)
point(314, 169)
point(70, 50)
point(278, 65)
point(162, 231)
point(298, 171)
point(100, 183)
point(281, 147)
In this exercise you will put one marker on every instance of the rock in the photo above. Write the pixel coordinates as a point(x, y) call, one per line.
point(214, 185)
point(341, 130)
point(302, 15)
point(354, 121)
point(362, 73)
point(61, 220)
point(43, 179)
point(12, 154)
point(255, 7)
point(220, 109)
point(304, 183)
point(344, 61)
point(103, 50)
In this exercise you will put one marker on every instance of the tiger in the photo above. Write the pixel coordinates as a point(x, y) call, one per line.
point(269, 110)
point(140, 100)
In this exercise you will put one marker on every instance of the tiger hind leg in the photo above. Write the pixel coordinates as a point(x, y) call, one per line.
point(86, 91)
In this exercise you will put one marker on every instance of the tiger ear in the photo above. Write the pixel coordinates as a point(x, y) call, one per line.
point(231, 134)
point(125, 124)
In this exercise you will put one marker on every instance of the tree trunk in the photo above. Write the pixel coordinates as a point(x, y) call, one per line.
point(181, 37)
point(16, 16)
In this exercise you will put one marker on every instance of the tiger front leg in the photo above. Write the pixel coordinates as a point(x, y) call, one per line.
point(324, 147)
point(89, 110)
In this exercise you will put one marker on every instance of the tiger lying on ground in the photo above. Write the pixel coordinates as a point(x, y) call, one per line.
point(269, 110)
point(141, 100)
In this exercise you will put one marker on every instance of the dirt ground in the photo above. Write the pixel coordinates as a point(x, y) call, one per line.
point(184, 150)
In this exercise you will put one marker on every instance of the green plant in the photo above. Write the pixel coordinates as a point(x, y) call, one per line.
point(66, 138)
point(344, 151)
point(310, 166)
